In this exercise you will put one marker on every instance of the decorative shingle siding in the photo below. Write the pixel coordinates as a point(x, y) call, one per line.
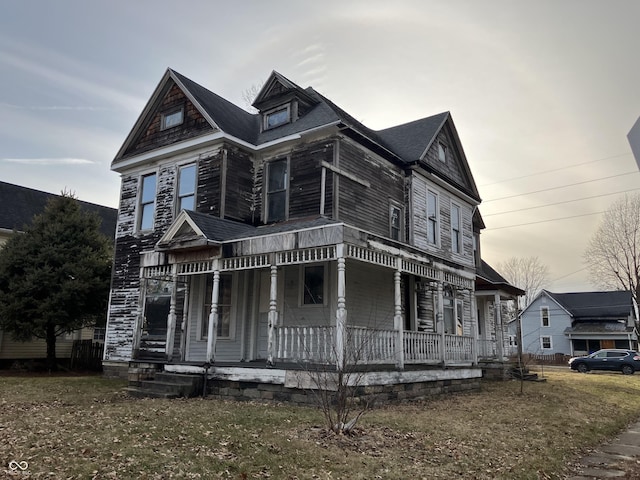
point(451, 168)
point(362, 206)
point(153, 137)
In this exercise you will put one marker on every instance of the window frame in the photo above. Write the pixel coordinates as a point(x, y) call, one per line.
point(301, 295)
point(442, 152)
point(400, 228)
point(542, 342)
point(169, 114)
point(179, 195)
point(142, 203)
point(456, 233)
point(269, 113)
point(545, 309)
point(206, 306)
point(435, 221)
point(268, 193)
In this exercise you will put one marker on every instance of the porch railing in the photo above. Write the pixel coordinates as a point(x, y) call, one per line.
point(369, 346)
point(487, 349)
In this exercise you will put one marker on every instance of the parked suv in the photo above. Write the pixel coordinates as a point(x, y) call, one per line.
point(625, 361)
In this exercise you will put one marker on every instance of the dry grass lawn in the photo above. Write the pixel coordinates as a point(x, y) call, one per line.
point(87, 428)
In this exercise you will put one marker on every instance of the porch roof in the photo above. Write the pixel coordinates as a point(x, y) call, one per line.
point(599, 328)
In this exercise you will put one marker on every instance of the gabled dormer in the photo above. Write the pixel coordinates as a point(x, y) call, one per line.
point(280, 102)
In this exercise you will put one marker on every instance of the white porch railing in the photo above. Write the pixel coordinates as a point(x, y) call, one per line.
point(369, 346)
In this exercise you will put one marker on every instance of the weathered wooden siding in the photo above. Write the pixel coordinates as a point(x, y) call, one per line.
point(239, 185)
point(152, 137)
point(442, 249)
point(367, 207)
point(369, 296)
point(208, 188)
point(305, 179)
point(451, 168)
point(295, 314)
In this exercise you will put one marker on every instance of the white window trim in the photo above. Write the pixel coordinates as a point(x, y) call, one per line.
point(542, 309)
point(279, 108)
point(204, 315)
point(437, 219)
point(177, 189)
point(395, 205)
point(324, 287)
point(265, 182)
point(139, 203)
point(542, 337)
point(164, 116)
point(460, 242)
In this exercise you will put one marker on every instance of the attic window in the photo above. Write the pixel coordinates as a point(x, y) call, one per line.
point(276, 117)
point(172, 119)
point(442, 152)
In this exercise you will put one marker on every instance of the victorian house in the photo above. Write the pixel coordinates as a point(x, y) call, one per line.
point(249, 246)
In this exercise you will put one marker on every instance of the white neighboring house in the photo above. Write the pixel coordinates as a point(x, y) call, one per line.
point(578, 323)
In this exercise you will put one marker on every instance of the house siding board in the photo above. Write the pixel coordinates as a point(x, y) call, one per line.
point(305, 181)
point(152, 137)
point(419, 188)
point(532, 328)
point(208, 187)
point(452, 167)
point(239, 185)
point(369, 296)
point(362, 206)
point(296, 314)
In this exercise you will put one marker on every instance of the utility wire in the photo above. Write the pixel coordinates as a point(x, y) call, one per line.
point(545, 221)
point(553, 170)
point(561, 186)
point(559, 203)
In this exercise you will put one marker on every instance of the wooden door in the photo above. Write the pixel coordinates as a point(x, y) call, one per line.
point(607, 344)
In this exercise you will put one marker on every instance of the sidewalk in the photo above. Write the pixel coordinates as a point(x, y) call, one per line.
point(618, 458)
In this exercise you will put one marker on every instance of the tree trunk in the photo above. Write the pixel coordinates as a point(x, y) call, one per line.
point(52, 362)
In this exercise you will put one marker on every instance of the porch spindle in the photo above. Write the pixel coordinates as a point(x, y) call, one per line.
point(397, 319)
point(341, 312)
point(474, 326)
point(171, 320)
point(497, 315)
point(212, 332)
point(273, 314)
point(440, 323)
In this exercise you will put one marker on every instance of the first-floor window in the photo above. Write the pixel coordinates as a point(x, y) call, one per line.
point(224, 306)
point(99, 333)
point(545, 341)
point(313, 285)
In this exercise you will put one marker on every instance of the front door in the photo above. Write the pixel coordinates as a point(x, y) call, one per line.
point(607, 344)
point(153, 338)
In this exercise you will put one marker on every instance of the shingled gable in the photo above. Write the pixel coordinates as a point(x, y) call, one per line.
point(412, 140)
point(279, 88)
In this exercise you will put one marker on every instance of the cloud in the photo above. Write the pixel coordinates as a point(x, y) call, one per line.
point(55, 107)
point(49, 161)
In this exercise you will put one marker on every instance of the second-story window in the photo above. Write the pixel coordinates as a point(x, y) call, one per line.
point(456, 237)
point(277, 183)
point(147, 202)
point(432, 217)
point(544, 316)
point(187, 187)
point(395, 222)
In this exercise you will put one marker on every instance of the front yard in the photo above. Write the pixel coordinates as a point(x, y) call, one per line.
point(86, 427)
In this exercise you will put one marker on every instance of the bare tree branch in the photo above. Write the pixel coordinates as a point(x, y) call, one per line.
point(527, 273)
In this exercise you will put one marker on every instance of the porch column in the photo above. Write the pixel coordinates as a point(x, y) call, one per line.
point(183, 323)
point(212, 332)
point(497, 315)
point(440, 322)
point(171, 320)
point(397, 318)
point(341, 312)
point(137, 334)
point(273, 314)
point(474, 325)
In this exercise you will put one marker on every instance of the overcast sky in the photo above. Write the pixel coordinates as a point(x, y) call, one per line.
point(543, 93)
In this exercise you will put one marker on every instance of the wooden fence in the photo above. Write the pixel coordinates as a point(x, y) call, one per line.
point(86, 355)
point(551, 359)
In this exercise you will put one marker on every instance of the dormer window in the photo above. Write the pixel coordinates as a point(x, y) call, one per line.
point(172, 119)
point(277, 117)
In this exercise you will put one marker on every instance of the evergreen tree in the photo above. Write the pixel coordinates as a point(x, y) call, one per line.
point(54, 277)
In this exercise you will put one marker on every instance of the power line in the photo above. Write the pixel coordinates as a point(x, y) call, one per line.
point(560, 203)
point(553, 170)
point(545, 221)
point(561, 186)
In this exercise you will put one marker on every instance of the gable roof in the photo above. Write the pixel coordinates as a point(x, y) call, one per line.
point(489, 279)
point(405, 144)
point(595, 305)
point(20, 204)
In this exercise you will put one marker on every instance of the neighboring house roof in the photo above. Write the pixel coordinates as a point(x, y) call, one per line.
point(20, 204)
point(595, 305)
point(489, 279)
point(405, 144)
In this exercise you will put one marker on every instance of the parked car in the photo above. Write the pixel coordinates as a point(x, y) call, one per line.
point(625, 361)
